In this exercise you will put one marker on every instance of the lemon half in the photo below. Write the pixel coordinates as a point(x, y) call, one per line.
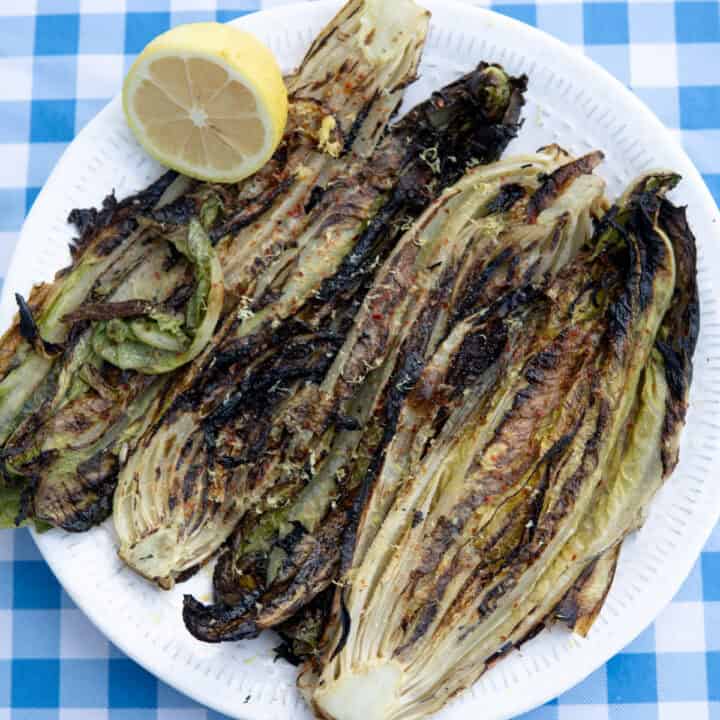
point(207, 100)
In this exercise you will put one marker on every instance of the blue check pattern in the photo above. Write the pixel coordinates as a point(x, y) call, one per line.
point(60, 62)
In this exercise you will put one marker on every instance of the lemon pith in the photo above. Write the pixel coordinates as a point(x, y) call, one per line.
point(208, 100)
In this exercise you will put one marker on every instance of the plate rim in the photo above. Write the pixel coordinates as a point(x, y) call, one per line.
point(162, 667)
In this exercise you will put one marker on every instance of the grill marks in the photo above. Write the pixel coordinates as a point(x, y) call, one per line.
point(253, 209)
point(260, 391)
point(506, 484)
point(308, 567)
point(581, 606)
point(440, 125)
point(55, 439)
point(88, 407)
point(105, 231)
point(509, 194)
point(78, 478)
point(357, 125)
point(109, 310)
point(371, 334)
point(545, 527)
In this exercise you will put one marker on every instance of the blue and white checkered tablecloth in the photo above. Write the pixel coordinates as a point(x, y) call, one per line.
point(60, 61)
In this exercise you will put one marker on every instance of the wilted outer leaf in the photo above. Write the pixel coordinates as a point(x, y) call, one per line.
point(158, 343)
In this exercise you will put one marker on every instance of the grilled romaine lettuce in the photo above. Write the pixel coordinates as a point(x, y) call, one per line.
point(65, 451)
point(488, 494)
point(500, 227)
point(200, 466)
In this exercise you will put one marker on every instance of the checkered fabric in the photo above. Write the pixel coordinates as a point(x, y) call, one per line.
point(60, 62)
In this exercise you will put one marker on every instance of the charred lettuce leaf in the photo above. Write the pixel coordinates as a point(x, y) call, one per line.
point(649, 454)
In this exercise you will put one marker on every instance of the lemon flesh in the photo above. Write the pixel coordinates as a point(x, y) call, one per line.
point(207, 100)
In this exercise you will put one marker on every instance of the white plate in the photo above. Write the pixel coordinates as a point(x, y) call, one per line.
point(570, 101)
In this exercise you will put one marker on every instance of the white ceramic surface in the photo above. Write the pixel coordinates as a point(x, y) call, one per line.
point(570, 101)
